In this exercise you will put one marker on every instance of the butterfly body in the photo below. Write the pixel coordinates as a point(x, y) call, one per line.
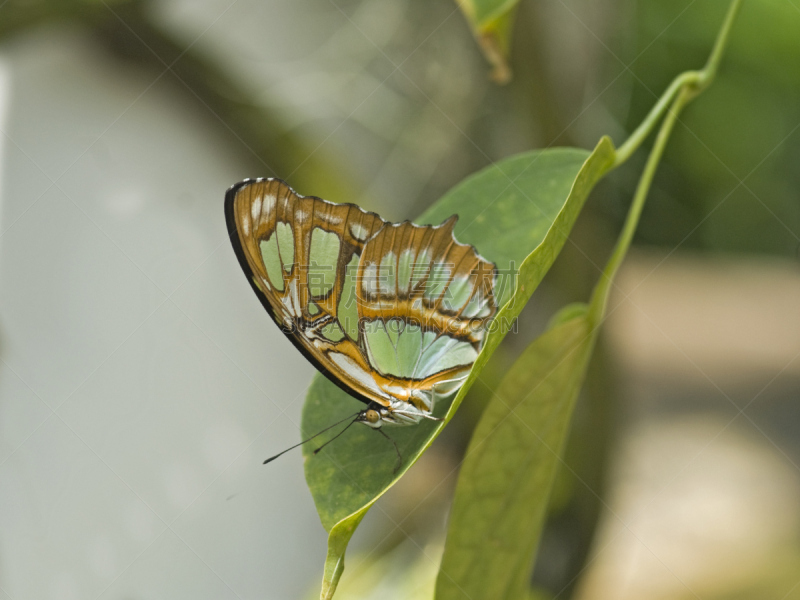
point(393, 313)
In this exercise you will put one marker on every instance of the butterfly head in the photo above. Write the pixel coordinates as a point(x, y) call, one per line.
point(400, 413)
point(397, 413)
point(374, 416)
point(370, 417)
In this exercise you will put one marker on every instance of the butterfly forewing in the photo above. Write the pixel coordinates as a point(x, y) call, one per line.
point(301, 255)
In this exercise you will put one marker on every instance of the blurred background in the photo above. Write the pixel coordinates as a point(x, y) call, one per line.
point(142, 384)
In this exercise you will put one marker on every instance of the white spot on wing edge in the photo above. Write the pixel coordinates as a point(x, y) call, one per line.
point(369, 280)
point(268, 203)
point(255, 208)
point(358, 231)
point(388, 277)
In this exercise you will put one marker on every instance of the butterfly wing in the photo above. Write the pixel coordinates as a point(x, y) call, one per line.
point(300, 255)
point(424, 302)
point(391, 313)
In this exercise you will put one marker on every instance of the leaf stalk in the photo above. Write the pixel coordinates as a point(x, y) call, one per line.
point(694, 81)
point(681, 91)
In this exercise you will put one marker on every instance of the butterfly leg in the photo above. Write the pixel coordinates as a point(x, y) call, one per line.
point(396, 449)
point(432, 418)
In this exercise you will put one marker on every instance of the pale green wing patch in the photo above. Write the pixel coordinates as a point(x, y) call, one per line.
point(348, 303)
point(442, 353)
point(285, 245)
point(387, 278)
point(381, 351)
point(438, 280)
point(332, 332)
point(419, 267)
point(324, 257)
point(401, 349)
point(477, 308)
point(457, 294)
point(405, 266)
point(409, 344)
point(272, 261)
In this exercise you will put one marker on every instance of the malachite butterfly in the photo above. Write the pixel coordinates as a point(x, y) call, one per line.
point(393, 313)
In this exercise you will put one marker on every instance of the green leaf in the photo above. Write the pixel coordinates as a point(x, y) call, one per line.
point(491, 22)
point(505, 481)
point(527, 202)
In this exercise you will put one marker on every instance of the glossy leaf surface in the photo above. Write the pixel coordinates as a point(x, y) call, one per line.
point(505, 481)
point(517, 213)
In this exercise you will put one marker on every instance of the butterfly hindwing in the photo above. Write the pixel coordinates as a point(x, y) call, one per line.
point(424, 301)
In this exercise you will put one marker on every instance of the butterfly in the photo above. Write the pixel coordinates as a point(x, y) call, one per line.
point(393, 313)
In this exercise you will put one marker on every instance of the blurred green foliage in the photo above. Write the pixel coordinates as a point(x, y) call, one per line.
point(732, 181)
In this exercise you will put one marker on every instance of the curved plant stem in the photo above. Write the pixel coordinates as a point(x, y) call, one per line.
point(710, 70)
point(682, 90)
point(601, 291)
point(696, 81)
point(681, 82)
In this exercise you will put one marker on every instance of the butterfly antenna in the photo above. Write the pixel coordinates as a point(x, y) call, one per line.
point(396, 449)
point(315, 435)
point(334, 437)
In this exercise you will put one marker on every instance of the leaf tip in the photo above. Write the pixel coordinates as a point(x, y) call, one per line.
point(493, 50)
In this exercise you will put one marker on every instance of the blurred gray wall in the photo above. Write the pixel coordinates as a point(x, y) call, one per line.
point(141, 382)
